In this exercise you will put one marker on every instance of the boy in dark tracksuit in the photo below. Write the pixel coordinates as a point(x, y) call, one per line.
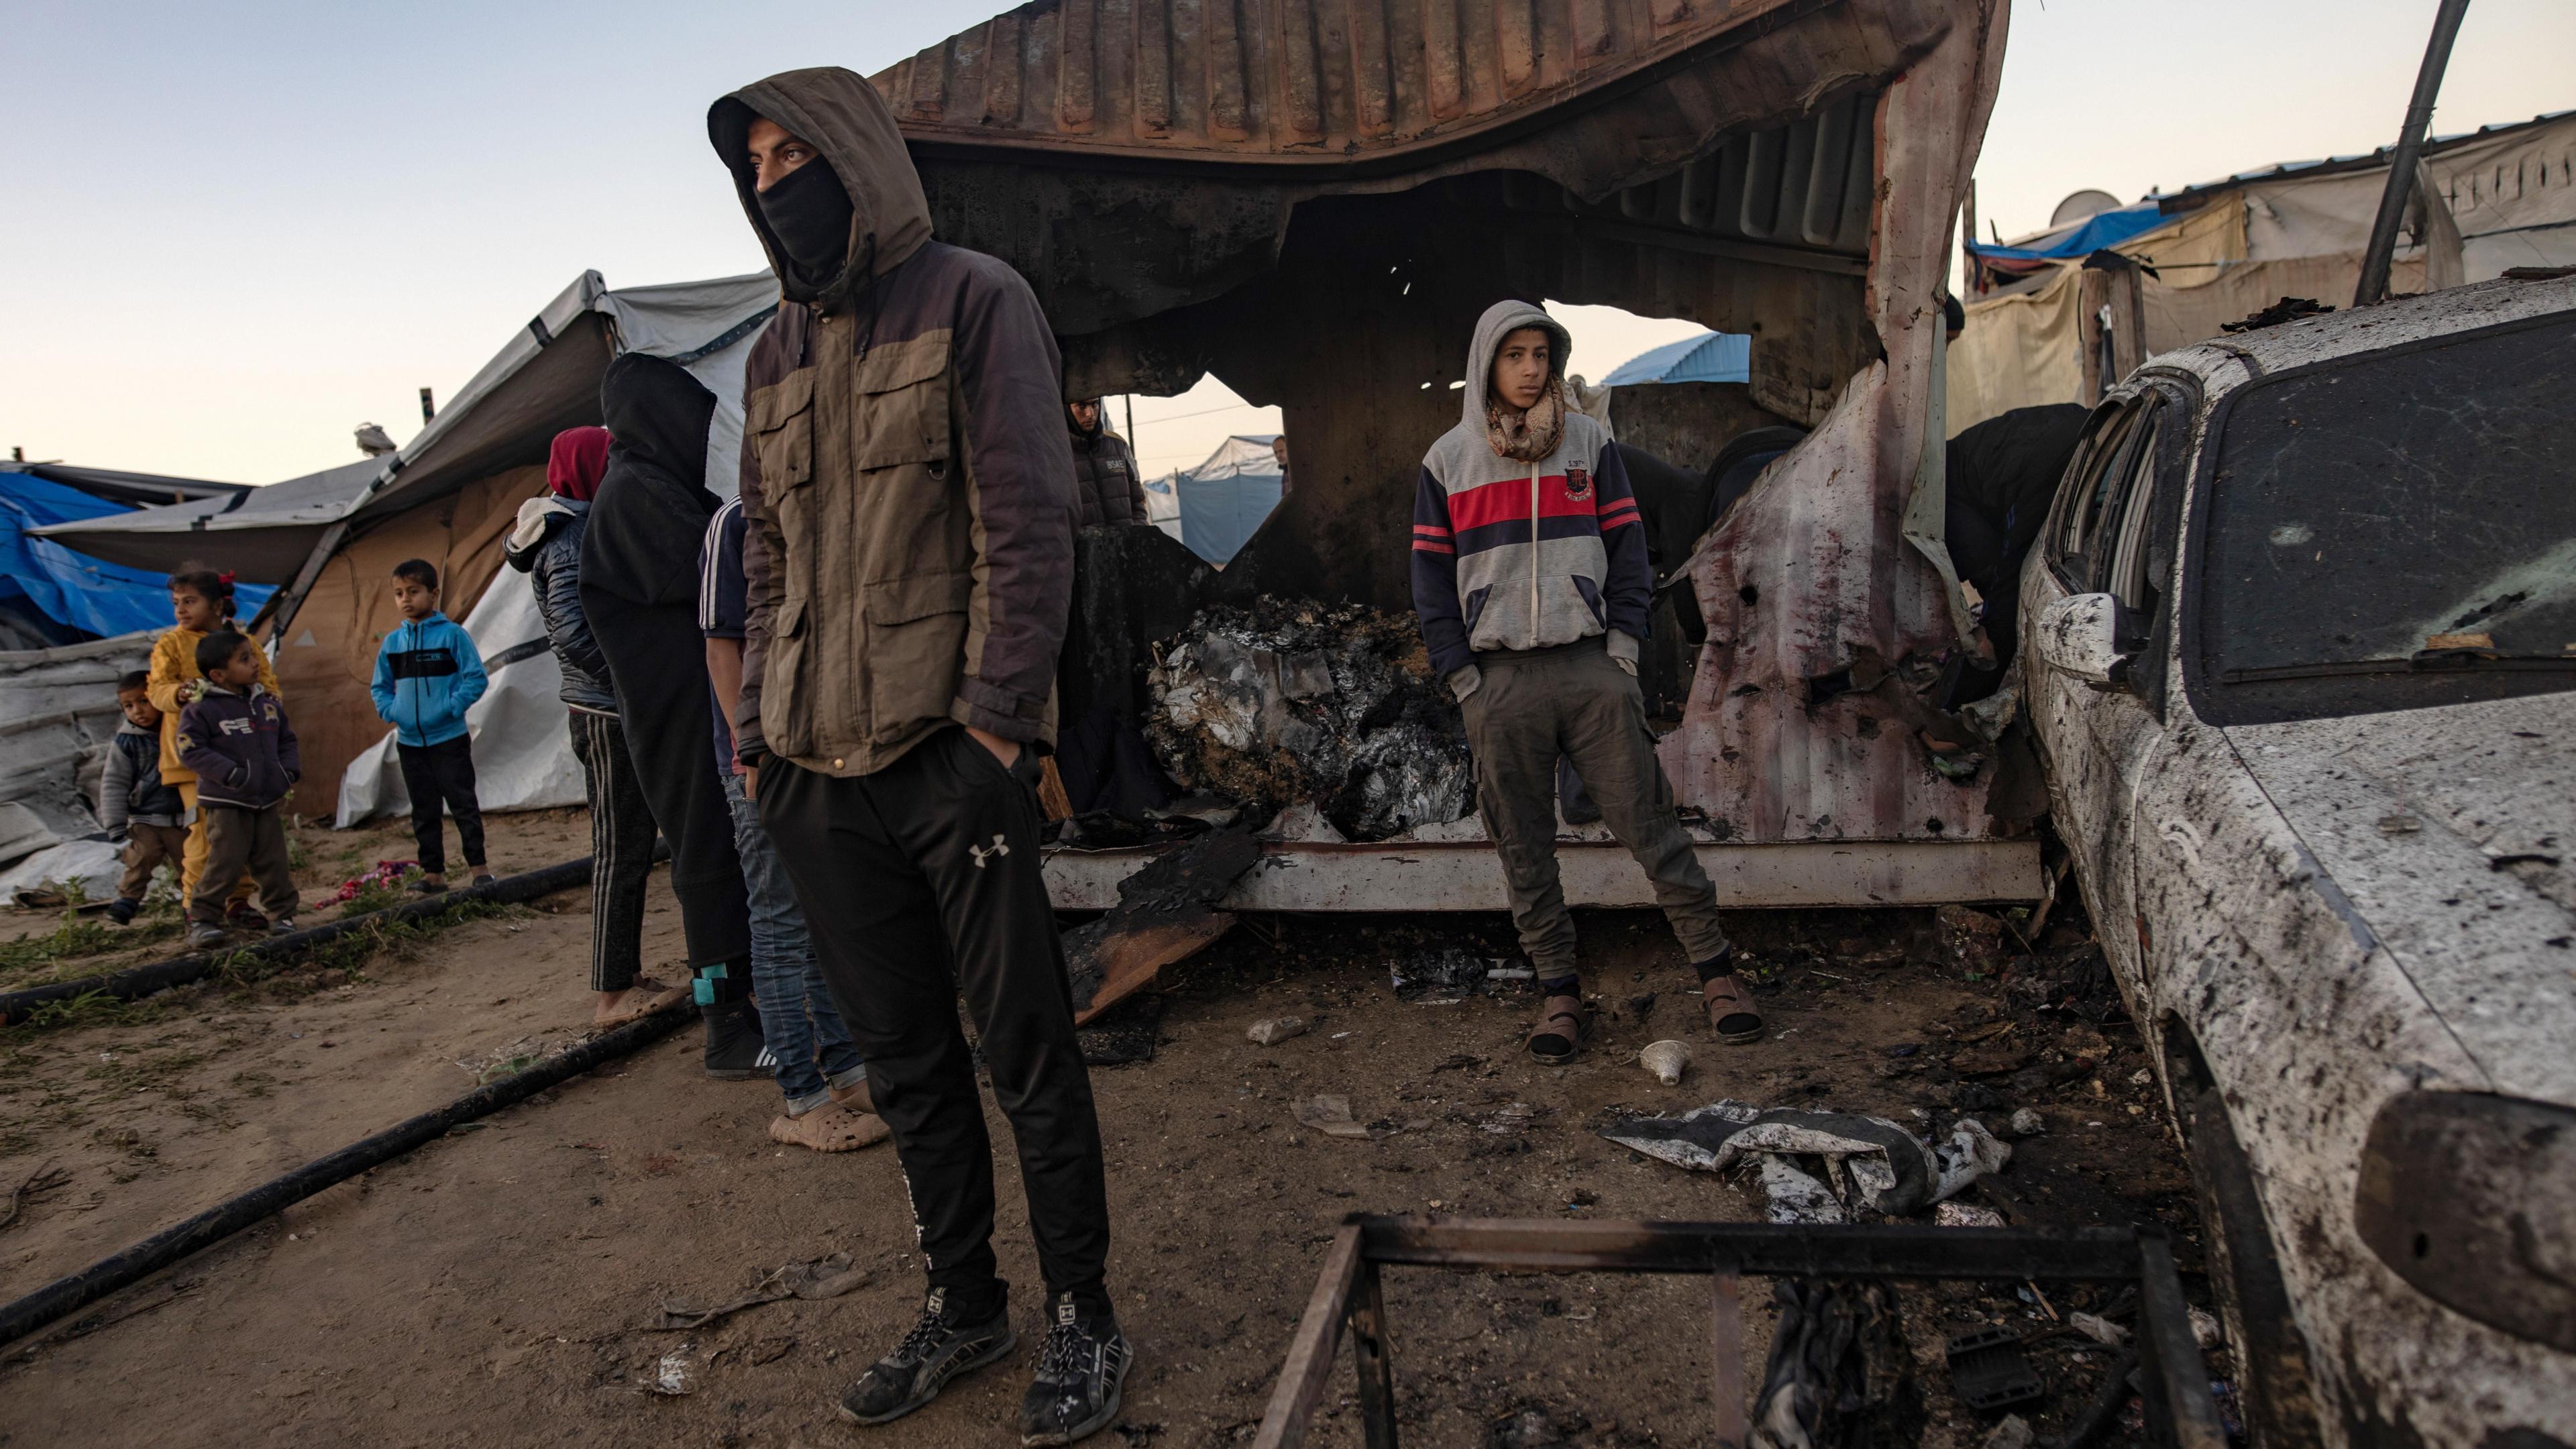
point(428, 674)
point(235, 737)
point(139, 812)
point(1531, 581)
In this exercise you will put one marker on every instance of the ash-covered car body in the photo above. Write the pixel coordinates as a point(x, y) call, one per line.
point(2297, 646)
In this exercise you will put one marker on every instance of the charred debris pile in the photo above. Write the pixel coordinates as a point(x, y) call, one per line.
point(1285, 702)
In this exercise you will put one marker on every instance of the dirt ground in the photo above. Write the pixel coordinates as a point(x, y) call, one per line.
point(496, 1286)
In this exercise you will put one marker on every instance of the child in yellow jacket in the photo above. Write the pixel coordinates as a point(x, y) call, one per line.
point(201, 601)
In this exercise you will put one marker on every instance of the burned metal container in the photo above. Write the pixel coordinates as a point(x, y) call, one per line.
point(1315, 201)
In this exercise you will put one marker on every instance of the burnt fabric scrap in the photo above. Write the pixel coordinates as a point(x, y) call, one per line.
point(1290, 701)
point(1870, 1163)
point(1840, 1372)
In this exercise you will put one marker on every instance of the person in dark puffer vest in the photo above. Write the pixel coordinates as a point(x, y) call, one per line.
point(546, 546)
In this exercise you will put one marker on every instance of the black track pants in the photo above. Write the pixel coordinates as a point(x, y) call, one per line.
point(437, 774)
point(621, 850)
point(658, 661)
point(921, 885)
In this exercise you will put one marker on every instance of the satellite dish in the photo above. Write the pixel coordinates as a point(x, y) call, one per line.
point(2081, 205)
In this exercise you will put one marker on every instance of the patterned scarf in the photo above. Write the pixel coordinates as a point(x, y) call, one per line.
point(1526, 435)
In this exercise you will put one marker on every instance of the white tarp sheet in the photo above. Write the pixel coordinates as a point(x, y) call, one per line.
point(523, 756)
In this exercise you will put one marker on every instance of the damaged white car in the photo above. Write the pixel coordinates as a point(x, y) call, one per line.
point(2297, 644)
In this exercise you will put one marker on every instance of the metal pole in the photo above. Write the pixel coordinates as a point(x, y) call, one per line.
point(1130, 401)
point(2410, 144)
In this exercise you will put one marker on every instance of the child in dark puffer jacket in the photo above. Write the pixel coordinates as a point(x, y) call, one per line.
point(236, 738)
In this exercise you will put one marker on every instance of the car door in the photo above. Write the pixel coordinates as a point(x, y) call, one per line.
point(2114, 531)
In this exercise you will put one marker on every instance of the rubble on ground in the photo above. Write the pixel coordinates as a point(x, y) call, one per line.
point(1290, 702)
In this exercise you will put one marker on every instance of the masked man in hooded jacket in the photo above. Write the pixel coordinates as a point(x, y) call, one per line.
point(1531, 581)
point(909, 569)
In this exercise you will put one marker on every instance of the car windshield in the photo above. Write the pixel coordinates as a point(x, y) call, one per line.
point(2403, 510)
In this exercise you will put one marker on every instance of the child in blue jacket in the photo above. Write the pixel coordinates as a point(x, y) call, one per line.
point(427, 676)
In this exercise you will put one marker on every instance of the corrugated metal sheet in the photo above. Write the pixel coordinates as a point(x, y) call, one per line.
point(1280, 80)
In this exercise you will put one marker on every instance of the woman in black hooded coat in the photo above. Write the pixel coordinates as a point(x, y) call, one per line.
point(639, 587)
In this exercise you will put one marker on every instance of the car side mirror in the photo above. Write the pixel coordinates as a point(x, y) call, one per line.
point(2080, 635)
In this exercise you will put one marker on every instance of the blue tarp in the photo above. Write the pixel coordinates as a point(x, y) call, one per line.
point(1709, 357)
point(78, 595)
point(2102, 229)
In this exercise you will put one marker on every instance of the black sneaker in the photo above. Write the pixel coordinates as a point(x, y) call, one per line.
point(122, 910)
point(1080, 1372)
point(734, 1045)
point(935, 1351)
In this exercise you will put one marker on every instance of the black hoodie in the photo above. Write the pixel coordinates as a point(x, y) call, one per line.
point(639, 590)
point(641, 544)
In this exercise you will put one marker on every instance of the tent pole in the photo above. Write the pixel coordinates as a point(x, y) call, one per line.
point(282, 605)
point(1130, 401)
point(2410, 145)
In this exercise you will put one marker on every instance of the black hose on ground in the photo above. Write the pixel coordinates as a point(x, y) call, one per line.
point(108, 1275)
point(136, 982)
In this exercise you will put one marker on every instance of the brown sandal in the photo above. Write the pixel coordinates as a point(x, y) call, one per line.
point(1554, 1045)
point(1729, 1003)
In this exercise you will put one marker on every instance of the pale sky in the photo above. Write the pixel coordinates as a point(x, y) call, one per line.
point(238, 231)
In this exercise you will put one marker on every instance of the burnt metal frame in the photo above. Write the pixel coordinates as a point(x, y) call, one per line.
point(2180, 1410)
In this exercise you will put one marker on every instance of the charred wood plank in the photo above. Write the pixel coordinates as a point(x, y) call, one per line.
point(1165, 913)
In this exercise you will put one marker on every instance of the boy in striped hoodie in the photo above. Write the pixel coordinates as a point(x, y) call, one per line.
point(1531, 581)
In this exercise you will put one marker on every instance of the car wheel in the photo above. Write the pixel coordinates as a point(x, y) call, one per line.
point(2274, 1384)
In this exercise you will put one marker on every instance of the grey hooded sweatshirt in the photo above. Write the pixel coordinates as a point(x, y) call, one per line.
point(1513, 555)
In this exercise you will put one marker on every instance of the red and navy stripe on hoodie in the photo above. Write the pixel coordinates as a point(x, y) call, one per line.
point(1453, 531)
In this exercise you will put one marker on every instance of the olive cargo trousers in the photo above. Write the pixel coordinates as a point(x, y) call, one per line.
point(1576, 701)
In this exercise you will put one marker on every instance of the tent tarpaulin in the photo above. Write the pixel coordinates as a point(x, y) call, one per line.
point(2092, 234)
point(262, 533)
point(447, 496)
point(2231, 248)
point(503, 417)
point(1224, 499)
point(79, 596)
point(1709, 357)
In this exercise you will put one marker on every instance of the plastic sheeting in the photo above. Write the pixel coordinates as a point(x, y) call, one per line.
point(1709, 357)
point(523, 757)
point(77, 595)
point(2083, 239)
point(1223, 500)
point(94, 865)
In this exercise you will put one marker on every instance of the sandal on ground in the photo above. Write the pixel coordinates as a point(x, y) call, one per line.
point(647, 997)
point(830, 1128)
point(1560, 1032)
point(1729, 1003)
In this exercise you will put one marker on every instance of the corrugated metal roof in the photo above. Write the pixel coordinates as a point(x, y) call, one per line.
point(1284, 80)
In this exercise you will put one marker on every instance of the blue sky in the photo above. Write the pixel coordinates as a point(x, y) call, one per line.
point(236, 231)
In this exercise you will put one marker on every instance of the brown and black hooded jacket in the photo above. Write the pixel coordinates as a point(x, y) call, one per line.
point(905, 470)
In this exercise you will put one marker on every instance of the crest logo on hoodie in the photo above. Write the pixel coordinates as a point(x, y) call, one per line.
point(1578, 484)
